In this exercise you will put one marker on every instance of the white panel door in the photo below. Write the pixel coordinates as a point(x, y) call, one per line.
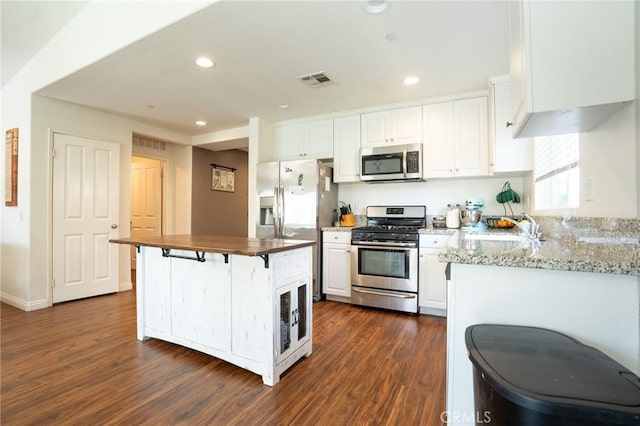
point(85, 216)
point(146, 199)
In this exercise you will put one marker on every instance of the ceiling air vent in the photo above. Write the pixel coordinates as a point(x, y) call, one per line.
point(316, 79)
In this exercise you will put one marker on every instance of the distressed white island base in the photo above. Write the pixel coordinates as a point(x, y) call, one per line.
point(252, 311)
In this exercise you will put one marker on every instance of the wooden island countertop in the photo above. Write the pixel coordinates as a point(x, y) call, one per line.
point(217, 244)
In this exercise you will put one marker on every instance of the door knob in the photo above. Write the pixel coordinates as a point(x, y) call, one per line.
point(114, 226)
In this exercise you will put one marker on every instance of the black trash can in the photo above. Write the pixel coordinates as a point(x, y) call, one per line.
point(533, 376)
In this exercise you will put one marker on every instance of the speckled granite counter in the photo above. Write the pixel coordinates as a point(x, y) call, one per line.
point(337, 228)
point(609, 254)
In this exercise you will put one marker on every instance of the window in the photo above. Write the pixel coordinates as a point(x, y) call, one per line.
point(556, 172)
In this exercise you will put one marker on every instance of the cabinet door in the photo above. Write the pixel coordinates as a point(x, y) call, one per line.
point(508, 154)
point(432, 282)
point(336, 269)
point(517, 65)
point(293, 316)
point(471, 137)
point(318, 139)
point(375, 129)
point(572, 63)
point(290, 142)
point(438, 140)
point(405, 126)
point(346, 149)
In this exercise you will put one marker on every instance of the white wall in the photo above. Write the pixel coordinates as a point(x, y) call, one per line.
point(49, 116)
point(88, 37)
point(608, 154)
point(435, 194)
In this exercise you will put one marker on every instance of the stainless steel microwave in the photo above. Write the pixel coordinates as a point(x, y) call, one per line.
point(391, 163)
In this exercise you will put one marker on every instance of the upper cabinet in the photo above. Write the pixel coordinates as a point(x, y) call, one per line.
point(393, 127)
point(455, 138)
point(346, 149)
point(571, 64)
point(311, 140)
point(506, 155)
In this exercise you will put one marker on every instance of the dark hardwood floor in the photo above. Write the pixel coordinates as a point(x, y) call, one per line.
point(80, 363)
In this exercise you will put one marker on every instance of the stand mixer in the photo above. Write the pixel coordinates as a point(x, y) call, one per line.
point(472, 214)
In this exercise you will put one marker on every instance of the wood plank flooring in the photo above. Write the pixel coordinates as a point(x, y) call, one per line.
point(80, 363)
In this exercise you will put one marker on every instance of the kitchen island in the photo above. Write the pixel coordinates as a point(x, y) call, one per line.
point(586, 286)
point(244, 300)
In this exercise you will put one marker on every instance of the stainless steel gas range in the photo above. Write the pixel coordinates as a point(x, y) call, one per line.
point(384, 258)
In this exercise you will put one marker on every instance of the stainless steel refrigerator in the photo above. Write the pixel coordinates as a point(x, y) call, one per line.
point(297, 198)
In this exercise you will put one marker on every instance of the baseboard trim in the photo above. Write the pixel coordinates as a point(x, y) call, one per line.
point(126, 286)
point(22, 304)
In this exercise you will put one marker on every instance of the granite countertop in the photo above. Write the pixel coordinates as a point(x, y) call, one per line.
point(217, 244)
point(337, 228)
point(613, 254)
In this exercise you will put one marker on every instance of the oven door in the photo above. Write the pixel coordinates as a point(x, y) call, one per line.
point(387, 266)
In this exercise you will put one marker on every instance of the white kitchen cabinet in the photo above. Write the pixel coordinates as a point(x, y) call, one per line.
point(571, 64)
point(346, 149)
point(506, 154)
point(336, 263)
point(294, 318)
point(432, 284)
point(456, 138)
point(313, 140)
point(392, 127)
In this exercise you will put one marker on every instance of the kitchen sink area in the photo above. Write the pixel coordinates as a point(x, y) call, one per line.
point(493, 236)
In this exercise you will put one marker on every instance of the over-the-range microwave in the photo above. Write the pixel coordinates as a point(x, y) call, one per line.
point(391, 163)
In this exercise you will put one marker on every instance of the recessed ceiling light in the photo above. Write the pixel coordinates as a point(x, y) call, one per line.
point(283, 106)
point(201, 123)
point(204, 62)
point(391, 37)
point(411, 80)
point(376, 6)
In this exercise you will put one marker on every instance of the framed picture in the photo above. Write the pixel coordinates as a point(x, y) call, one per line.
point(222, 178)
point(11, 168)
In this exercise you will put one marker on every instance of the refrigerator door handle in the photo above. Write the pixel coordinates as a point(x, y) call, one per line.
point(276, 211)
point(281, 211)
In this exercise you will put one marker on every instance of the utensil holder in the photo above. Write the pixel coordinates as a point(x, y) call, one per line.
point(348, 219)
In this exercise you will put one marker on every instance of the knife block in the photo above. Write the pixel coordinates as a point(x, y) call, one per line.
point(348, 219)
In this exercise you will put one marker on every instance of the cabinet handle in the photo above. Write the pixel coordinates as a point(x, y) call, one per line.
point(509, 123)
point(457, 170)
point(391, 139)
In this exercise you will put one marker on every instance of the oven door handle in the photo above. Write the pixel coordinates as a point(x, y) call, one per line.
point(377, 293)
point(382, 244)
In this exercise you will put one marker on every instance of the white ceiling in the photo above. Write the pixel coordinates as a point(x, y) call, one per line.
point(261, 47)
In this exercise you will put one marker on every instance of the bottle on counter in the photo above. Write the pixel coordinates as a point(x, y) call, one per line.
point(453, 216)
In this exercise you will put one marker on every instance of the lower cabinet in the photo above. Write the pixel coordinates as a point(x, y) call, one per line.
point(294, 317)
point(432, 284)
point(336, 263)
